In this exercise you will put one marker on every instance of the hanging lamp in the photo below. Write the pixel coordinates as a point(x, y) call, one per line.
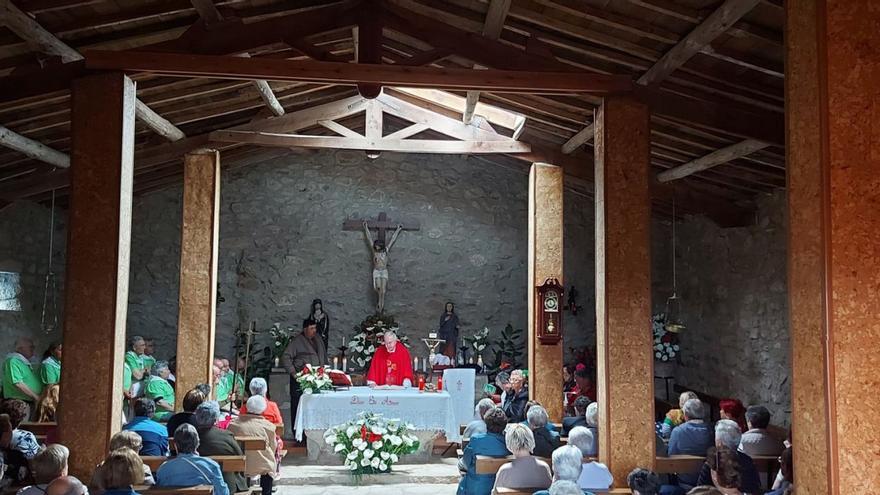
point(674, 322)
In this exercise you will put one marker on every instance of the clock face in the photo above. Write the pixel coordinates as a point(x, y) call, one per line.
point(551, 302)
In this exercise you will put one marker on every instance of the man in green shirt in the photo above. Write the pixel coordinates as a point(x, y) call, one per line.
point(135, 360)
point(50, 368)
point(228, 389)
point(160, 391)
point(149, 360)
point(19, 380)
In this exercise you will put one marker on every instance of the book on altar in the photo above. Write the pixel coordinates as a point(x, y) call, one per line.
point(339, 379)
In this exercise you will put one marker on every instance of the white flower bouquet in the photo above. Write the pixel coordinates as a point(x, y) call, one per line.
point(479, 341)
point(313, 379)
point(280, 339)
point(371, 444)
point(666, 346)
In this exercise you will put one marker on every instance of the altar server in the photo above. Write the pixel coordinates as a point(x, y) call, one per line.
point(50, 368)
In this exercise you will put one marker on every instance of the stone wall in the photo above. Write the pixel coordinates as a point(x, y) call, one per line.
point(732, 284)
point(24, 249)
point(281, 245)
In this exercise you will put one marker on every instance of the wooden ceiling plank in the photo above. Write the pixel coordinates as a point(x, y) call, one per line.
point(583, 136)
point(717, 23)
point(713, 159)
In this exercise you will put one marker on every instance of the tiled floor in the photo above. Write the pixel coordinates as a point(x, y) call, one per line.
point(406, 488)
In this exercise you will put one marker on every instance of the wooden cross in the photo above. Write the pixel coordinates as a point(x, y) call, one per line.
point(380, 225)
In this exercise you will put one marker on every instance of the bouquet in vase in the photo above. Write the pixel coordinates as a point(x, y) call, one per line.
point(479, 341)
point(312, 380)
point(280, 339)
point(371, 444)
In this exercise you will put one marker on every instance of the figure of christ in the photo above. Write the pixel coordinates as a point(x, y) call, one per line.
point(391, 364)
point(380, 263)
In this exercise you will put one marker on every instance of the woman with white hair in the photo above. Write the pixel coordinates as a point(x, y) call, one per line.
point(259, 386)
point(592, 417)
point(160, 390)
point(545, 440)
point(216, 441)
point(259, 462)
point(525, 470)
point(566, 468)
point(594, 475)
point(188, 468)
point(515, 400)
point(478, 425)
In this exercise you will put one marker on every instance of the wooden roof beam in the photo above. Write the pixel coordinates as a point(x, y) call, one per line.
point(36, 36)
point(713, 26)
point(33, 149)
point(368, 45)
point(219, 67)
point(492, 27)
point(713, 159)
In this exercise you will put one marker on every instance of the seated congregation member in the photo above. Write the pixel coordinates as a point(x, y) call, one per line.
point(272, 413)
point(514, 404)
point(592, 417)
point(550, 427)
point(13, 412)
point(214, 441)
point(786, 469)
point(121, 471)
point(491, 444)
point(567, 467)
point(261, 462)
point(734, 410)
point(693, 437)
point(594, 475)
point(124, 440)
point(757, 440)
point(188, 468)
point(66, 485)
point(545, 441)
point(584, 383)
point(579, 418)
point(49, 464)
point(502, 386)
point(191, 401)
point(478, 425)
point(728, 436)
point(153, 434)
point(19, 379)
point(160, 390)
point(724, 468)
point(676, 417)
point(568, 383)
point(563, 487)
point(525, 470)
point(50, 368)
point(643, 482)
point(391, 365)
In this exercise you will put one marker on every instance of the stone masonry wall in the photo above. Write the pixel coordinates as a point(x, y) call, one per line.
point(732, 284)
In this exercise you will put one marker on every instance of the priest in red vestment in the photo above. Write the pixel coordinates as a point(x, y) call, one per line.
point(391, 364)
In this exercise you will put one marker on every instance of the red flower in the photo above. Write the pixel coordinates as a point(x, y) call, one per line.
point(305, 370)
point(364, 432)
point(666, 339)
point(321, 371)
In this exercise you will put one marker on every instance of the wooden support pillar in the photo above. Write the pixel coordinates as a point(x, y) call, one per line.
point(833, 154)
point(198, 270)
point(545, 261)
point(96, 302)
point(623, 287)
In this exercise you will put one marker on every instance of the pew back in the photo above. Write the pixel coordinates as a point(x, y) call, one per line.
point(175, 490)
point(228, 463)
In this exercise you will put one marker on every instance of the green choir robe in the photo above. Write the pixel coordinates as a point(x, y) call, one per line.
point(50, 371)
point(159, 388)
point(17, 369)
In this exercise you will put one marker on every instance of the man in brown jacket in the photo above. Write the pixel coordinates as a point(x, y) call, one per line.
point(305, 348)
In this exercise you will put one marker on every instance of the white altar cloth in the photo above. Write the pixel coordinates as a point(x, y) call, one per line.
point(425, 411)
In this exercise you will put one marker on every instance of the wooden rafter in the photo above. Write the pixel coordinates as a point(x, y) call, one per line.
point(220, 67)
point(33, 148)
point(366, 144)
point(492, 28)
point(713, 159)
point(369, 44)
point(29, 30)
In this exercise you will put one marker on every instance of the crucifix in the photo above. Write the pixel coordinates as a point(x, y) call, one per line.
point(379, 248)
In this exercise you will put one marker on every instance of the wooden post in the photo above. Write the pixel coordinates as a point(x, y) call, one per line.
point(623, 287)
point(545, 261)
point(96, 303)
point(198, 270)
point(832, 80)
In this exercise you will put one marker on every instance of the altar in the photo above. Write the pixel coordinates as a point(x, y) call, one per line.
point(429, 413)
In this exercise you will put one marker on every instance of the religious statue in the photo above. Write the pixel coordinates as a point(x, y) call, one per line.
point(380, 263)
point(322, 319)
point(449, 330)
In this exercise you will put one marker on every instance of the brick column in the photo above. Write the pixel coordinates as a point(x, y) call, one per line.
point(623, 287)
point(96, 302)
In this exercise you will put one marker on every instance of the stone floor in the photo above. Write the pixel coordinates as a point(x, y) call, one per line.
point(299, 476)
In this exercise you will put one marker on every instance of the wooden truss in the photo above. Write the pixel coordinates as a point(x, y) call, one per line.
point(463, 138)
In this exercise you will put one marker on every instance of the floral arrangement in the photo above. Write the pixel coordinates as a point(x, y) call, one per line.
point(368, 338)
point(312, 380)
point(479, 341)
point(371, 444)
point(280, 339)
point(666, 346)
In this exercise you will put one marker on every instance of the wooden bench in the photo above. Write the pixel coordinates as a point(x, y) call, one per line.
point(562, 441)
point(175, 490)
point(39, 429)
point(490, 465)
point(530, 491)
point(228, 463)
point(247, 443)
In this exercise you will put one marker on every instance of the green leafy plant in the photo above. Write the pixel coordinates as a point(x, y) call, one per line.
point(509, 349)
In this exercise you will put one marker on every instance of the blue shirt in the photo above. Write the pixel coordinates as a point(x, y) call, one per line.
point(691, 438)
point(192, 470)
point(153, 434)
point(489, 444)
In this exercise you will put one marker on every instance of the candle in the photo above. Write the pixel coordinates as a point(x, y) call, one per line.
point(344, 364)
point(416, 363)
point(336, 363)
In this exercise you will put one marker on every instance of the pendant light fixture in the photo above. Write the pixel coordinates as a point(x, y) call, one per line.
point(674, 322)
